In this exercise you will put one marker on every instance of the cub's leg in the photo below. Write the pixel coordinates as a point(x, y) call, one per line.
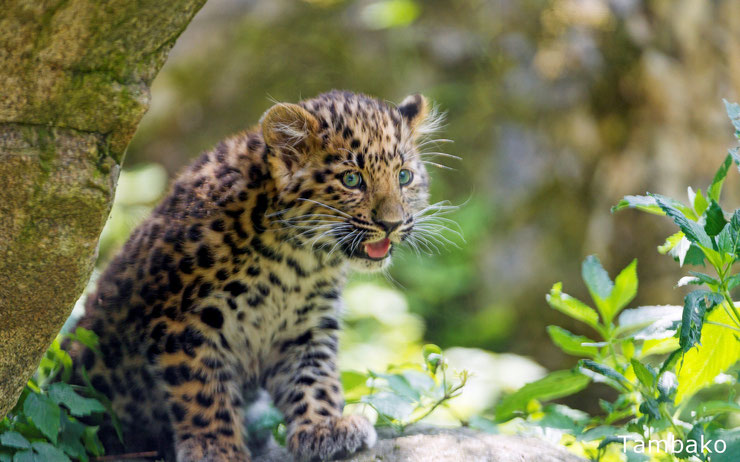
point(204, 402)
point(305, 387)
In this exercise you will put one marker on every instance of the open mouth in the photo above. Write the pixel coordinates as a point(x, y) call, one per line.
point(377, 250)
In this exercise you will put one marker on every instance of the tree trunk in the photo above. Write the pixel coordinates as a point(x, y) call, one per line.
point(74, 84)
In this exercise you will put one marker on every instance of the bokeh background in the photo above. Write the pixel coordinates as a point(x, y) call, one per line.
point(558, 108)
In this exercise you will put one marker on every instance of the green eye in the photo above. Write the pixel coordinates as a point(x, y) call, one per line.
point(351, 179)
point(405, 177)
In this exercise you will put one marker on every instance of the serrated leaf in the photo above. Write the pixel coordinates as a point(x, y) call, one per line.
point(715, 219)
point(714, 191)
point(643, 374)
point(44, 413)
point(696, 304)
point(693, 231)
point(726, 240)
point(13, 439)
point(391, 405)
point(78, 405)
point(571, 343)
point(719, 351)
point(554, 385)
point(49, 453)
point(571, 306)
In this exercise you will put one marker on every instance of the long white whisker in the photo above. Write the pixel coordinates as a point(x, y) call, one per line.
point(327, 206)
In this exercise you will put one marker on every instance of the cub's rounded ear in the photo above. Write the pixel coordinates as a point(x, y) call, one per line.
point(414, 109)
point(289, 127)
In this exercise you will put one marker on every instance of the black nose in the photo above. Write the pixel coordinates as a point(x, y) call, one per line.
point(389, 226)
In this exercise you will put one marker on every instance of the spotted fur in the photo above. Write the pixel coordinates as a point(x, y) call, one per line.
point(234, 282)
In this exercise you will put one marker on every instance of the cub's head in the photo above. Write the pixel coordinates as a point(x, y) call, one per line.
point(349, 173)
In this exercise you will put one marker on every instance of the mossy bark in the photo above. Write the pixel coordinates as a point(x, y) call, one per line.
point(74, 84)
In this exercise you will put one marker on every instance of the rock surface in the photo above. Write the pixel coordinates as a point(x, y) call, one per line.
point(429, 444)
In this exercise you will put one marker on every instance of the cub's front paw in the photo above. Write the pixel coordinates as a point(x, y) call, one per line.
point(330, 438)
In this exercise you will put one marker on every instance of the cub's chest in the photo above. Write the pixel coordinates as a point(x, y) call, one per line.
point(253, 313)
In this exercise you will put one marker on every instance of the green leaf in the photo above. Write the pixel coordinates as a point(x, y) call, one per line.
point(624, 291)
point(643, 203)
point(715, 189)
point(92, 442)
point(87, 338)
point(650, 407)
point(420, 381)
point(571, 343)
point(700, 204)
point(670, 243)
point(554, 385)
point(78, 406)
point(391, 405)
point(643, 374)
point(13, 439)
point(696, 304)
point(44, 413)
point(732, 440)
point(727, 240)
point(49, 453)
point(573, 307)
point(400, 386)
point(715, 219)
point(719, 351)
point(704, 278)
point(693, 231)
point(712, 408)
point(27, 456)
point(563, 417)
point(733, 281)
point(596, 278)
point(613, 376)
point(70, 439)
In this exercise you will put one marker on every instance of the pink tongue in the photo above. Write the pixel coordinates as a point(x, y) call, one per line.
point(378, 249)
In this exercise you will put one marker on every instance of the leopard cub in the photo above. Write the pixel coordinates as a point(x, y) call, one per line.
point(234, 282)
